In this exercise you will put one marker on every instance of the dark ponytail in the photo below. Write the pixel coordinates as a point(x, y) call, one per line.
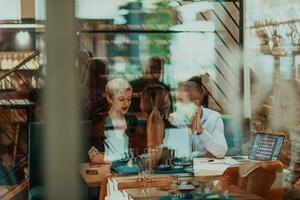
point(156, 103)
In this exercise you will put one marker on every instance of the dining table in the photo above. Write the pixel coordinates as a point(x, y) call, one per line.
point(200, 178)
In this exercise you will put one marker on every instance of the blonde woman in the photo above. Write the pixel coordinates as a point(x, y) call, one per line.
point(109, 140)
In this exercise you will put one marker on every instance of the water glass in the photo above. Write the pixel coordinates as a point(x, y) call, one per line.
point(133, 152)
point(144, 171)
point(169, 161)
point(143, 166)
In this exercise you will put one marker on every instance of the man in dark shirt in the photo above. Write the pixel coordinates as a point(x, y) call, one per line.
point(151, 75)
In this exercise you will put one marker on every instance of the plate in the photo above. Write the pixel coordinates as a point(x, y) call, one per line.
point(164, 166)
point(186, 164)
point(124, 160)
point(177, 167)
point(186, 187)
point(177, 163)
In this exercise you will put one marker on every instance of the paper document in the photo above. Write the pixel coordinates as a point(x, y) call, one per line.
point(202, 167)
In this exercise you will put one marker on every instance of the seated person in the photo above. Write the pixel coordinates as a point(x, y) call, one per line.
point(151, 75)
point(155, 102)
point(109, 137)
point(206, 125)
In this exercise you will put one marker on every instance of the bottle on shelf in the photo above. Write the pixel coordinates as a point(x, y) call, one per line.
point(9, 83)
point(15, 60)
point(23, 57)
point(9, 62)
point(2, 84)
point(33, 82)
point(31, 63)
point(4, 62)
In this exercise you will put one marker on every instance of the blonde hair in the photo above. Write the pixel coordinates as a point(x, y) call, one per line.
point(156, 103)
point(116, 86)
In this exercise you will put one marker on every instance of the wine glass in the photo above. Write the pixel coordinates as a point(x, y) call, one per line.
point(132, 152)
point(144, 164)
point(172, 156)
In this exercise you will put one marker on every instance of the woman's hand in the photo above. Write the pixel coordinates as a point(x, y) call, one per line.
point(100, 159)
point(196, 125)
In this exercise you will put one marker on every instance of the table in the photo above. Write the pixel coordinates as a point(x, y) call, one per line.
point(94, 180)
point(132, 187)
point(161, 188)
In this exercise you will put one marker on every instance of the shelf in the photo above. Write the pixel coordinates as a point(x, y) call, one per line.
point(141, 28)
point(20, 70)
point(7, 90)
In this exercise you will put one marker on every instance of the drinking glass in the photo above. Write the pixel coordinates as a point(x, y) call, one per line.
point(144, 166)
point(133, 154)
point(172, 156)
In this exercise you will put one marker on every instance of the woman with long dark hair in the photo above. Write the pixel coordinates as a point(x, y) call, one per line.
point(94, 80)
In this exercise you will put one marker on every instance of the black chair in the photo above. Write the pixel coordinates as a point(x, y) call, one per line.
point(36, 152)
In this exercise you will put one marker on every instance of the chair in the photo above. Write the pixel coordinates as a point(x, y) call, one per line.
point(138, 139)
point(36, 151)
point(233, 135)
point(36, 144)
point(257, 178)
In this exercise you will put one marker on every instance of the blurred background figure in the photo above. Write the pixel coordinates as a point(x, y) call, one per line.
point(93, 82)
point(35, 96)
point(152, 75)
point(83, 57)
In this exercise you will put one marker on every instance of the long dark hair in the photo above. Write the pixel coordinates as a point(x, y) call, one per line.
point(94, 80)
point(156, 103)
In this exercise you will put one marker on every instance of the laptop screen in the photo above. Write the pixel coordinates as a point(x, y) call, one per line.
point(266, 146)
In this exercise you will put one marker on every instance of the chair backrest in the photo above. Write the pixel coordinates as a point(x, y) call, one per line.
point(260, 180)
point(255, 178)
point(233, 135)
point(36, 150)
point(138, 139)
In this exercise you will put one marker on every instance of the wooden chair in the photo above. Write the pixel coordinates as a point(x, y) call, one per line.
point(161, 181)
point(258, 179)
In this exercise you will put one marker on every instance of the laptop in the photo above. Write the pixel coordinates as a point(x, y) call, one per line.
point(266, 146)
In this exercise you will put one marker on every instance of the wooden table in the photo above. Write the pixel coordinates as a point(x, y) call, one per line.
point(94, 180)
point(159, 185)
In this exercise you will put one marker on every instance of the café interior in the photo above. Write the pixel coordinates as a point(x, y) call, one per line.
point(142, 100)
